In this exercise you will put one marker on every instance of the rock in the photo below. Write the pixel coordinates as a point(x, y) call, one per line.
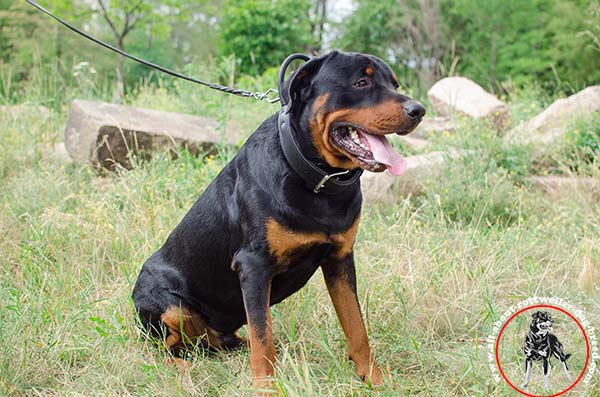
point(414, 143)
point(104, 134)
point(554, 122)
point(433, 125)
point(557, 187)
point(459, 94)
point(385, 188)
point(377, 187)
point(18, 111)
point(60, 153)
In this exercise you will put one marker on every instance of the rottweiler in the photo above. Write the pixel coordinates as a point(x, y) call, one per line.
point(288, 203)
point(541, 344)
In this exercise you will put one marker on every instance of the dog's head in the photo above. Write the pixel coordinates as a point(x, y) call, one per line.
point(349, 102)
point(541, 323)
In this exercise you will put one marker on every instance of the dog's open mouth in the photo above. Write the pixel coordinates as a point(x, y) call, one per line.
point(372, 152)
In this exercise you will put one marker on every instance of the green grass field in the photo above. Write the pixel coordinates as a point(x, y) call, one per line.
point(435, 271)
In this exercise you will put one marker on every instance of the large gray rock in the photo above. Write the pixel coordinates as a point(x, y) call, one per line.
point(548, 126)
point(461, 95)
point(433, 125)
point(386, 188)
point(105, 134)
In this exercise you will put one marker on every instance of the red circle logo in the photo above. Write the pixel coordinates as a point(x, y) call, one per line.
point(568, 317)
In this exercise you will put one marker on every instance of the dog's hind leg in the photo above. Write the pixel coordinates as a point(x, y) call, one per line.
point(558, 353)
point(528, 364)
point(547, 367)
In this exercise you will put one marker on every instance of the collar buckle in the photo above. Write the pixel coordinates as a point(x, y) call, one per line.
point(324, 180)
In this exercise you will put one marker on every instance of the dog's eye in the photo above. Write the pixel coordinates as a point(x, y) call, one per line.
point(362, 83)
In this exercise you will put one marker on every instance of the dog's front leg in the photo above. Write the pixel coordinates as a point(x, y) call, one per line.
point(255, 282)
point(340, 277)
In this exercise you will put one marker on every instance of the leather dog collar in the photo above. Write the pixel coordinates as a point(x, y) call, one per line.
point(315, 178)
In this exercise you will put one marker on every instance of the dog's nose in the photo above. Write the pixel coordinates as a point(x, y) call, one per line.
point(414, 109)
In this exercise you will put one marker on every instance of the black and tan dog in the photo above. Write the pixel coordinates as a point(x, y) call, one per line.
point(540, 344)
point(287, 204)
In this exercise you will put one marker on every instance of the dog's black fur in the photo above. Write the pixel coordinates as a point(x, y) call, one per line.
point(541, 345)
point(257, 233)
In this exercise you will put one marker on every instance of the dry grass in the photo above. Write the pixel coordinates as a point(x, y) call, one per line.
point(434, 272)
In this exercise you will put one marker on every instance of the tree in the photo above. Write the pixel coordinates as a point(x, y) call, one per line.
point(261, 33)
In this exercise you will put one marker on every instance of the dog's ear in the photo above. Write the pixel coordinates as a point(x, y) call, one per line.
point(298, 87)
point(536, 315)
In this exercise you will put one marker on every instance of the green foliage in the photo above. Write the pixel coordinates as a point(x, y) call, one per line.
point(498, 43)
point(582, 142)
point(261, 33)
point(524, 41)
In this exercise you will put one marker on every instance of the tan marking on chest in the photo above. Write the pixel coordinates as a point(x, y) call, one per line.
point(282, 241)
point(345, 240)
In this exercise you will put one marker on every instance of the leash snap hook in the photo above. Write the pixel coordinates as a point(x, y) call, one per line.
point(323, 181)
point(267, 95)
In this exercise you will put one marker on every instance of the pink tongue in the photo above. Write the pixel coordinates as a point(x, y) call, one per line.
point(384, 154)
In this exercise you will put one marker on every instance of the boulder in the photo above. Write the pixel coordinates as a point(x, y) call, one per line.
point(385, 188)
point(548, 126)
point(461, 95)
point(59, 152)
point(433, 125)
point(106, 135)
point(413, 143)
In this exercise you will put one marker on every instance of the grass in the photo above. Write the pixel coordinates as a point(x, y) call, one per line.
point(435, 271)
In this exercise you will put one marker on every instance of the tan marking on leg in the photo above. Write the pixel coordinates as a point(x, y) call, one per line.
point(185, 325)
point(345, 240)
point(348, 312)
point(180, 363)
point(282, 240)
point(262, 352)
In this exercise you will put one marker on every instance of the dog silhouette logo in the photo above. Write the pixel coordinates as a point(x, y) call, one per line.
point(542, 349)
point(542, 345)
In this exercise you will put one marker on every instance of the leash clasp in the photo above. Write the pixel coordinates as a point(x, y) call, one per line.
point(323, 181)
point(267, 95)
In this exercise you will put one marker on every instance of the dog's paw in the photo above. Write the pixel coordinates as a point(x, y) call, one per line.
point(264, 386)
point(524, 385)
point(372, 377)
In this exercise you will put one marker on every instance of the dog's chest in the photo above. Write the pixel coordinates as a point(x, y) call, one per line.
point(289, 247)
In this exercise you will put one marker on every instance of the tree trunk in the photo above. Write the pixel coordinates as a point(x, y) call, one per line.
point(120, 91)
